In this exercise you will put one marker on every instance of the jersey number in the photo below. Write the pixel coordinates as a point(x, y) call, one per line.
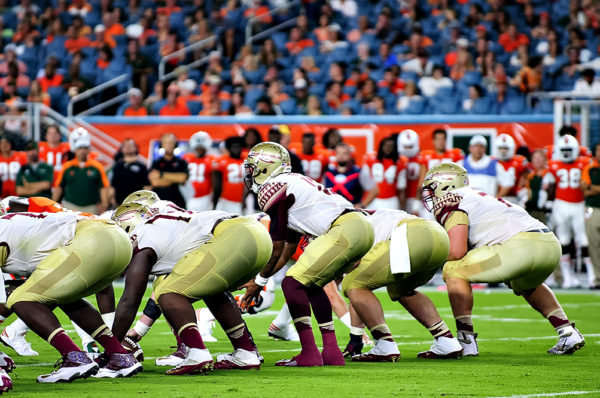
point(8, 171)
point(197, 171)
point(413, 171)
point(501, 200)
point(379, 174)
point(568, 178)
point(54, 159)
point(235, 173)
point(312, 168)
point(320, 187)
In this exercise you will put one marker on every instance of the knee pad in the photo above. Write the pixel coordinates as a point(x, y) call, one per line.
point(152, 310)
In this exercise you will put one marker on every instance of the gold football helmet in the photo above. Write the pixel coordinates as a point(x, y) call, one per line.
point(441, 179)
point(130, 215)
point(143, 197)
point(265, 161)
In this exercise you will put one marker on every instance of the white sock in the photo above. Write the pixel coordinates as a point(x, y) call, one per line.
point(85, 338)
point(109, 319)
point(141, 328)
point(565, 267)
point(346, 320)
point(357, 331)
point(284, 318)
point(19, 327)
point(590, 270)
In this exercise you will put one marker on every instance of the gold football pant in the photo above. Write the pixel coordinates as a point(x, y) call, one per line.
point(239, 249)
point(523, 262)
point(97, 255)
point(428, 250)
point(331, 254)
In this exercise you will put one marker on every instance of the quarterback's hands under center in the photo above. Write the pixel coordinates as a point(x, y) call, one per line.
point(252, 292)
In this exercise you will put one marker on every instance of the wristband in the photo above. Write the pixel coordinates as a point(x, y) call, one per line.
point(260, 281)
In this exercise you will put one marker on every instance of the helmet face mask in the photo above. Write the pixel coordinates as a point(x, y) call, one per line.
point(441, 179)
point(144, 197)
point(567, 149)
point(408, 143)
point(504, 147)
point(129, 215)
point(265, 161)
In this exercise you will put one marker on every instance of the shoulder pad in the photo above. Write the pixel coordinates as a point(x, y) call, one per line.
point(446, 205)
point(271, 193)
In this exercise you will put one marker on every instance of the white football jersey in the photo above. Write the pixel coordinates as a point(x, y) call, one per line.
point(315, 207)
point(165, 207)
point(30, 237)
point(385, 221)
point(491, 220)
point(173, 235)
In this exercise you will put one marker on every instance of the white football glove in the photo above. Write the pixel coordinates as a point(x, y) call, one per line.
point(542, 199)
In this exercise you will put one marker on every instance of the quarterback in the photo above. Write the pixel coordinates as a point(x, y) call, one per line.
point(297, 205)
point(492, 240)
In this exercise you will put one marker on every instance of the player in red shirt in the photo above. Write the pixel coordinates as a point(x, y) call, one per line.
point(439, 153)
point(568, 210)
point(200, 167)
point(228, 181)
point(514, 165)
point(10, 164)
point(408, 146)
point(567, 130)
point(388, 170)
point(314, 163)
point(53, 151)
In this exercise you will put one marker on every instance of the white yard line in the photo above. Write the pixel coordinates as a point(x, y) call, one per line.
point(551, 394)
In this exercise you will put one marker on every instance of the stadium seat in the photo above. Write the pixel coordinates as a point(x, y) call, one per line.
point(252, 95)
point(288, 107)
point(194, 106)
point(482, 106)
point(513, 106)
point(545, 105)
point(416, 106)
point(317, 89)
point(444, 105)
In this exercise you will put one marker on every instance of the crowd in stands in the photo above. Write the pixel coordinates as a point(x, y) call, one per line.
point(340, 56)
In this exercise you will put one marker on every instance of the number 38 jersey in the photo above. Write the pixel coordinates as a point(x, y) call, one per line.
point(310, 208)
point(491, 220)
point(172, 235)
point(567, 177)
point(27, 238)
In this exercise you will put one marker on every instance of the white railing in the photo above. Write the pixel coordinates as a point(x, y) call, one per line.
point(290, 22)
point(208, 42)
point(95, 90)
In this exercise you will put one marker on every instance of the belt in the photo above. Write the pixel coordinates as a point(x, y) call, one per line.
point(541, 230)
point(219, 221)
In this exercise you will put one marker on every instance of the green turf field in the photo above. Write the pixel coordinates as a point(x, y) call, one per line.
point(513, 340)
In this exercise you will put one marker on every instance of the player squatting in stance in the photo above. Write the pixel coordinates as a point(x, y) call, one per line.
point(407, 253)
point(66, 257)
point(195, 255)
point(506, 245)
point(297, 206)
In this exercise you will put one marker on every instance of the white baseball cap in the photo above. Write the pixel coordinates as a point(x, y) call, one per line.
point(478, 140)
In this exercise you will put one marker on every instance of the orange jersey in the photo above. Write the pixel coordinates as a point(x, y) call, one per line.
point(583, 151)
point(430, 157)
point(200, 170)
point(9, 168)
point(567, 178)
point(413, 172)
point(515, 166)
point(313, 165)
point(54, 156)
point(233, 177)
point(387, 173)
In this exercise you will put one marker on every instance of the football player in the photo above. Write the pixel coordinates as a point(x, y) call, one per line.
point(388, 170)
point(568, 209)
point(408, 146)
point(515, 166)
point(10, 164)
point(439, 153)
point(200, 166)
point(53, 151)
point(194, 255)
point(314, 163)
point(228, 178)
point(492, 240)
point(299, 206)
point(66, 257)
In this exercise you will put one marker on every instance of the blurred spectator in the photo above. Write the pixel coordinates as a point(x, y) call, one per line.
point(52, 150)
point(24, 8)
point(377, 106)
point(301, 95)
point(571, 67)
point(410, 93)
point(136, 107)
point(141, 65)
point(313, 162)
point(348, 8)
point(264, 107)
point(129, 173)
point(168, 172)
point(9, 95)
point(275, 92)
point(475, 93)
point(268, 53)
point(251, 137)
point(228, 178)
point(158, 95)
point(430, 84)
point(421, 65)
point(10, 55)
point(214, 108)
point(348, 180)
point(212, 90)
point(238, 107)
point(553, 53)
point(391, 80)
point(464, 63)
point(50, 78)
point(539, 167)
point(587, 84)
point(501, 89)
point(336, 73)
point(296, 43)
point(591, 190)
point(334, 40)
point(82, 183)
point(313, 106)
point(168, 40)
point(173, 107)
point(529, 78)
point(26, 33)
point(20, 79)
point(35, 177)
point(80, 8)
point(511, 39)
point(14, 123)
point(363, 28)
point(105, 57)
point(36, 94)
point(10, 164)
point(112, 26)
point(334, 96)
point(366, 91)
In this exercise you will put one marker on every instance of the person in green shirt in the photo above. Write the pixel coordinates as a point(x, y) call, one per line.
point(35, 177)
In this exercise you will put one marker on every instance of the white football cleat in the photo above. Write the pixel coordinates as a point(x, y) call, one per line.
point(443, 348)
point(239, 359)
point(6, 362)
point(468, 341)
point(17, 342)
point(5, 382)
point(120, 365)
point(173, 359)
point(197, 361)
point(383, 351)
point(206, 323)
point(74, 365)
point(286, 333)
point(569, 341)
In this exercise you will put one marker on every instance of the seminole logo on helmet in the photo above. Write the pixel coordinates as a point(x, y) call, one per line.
point(440, 180)
point(143, 197)
point(265, 161)
point(130, 215)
